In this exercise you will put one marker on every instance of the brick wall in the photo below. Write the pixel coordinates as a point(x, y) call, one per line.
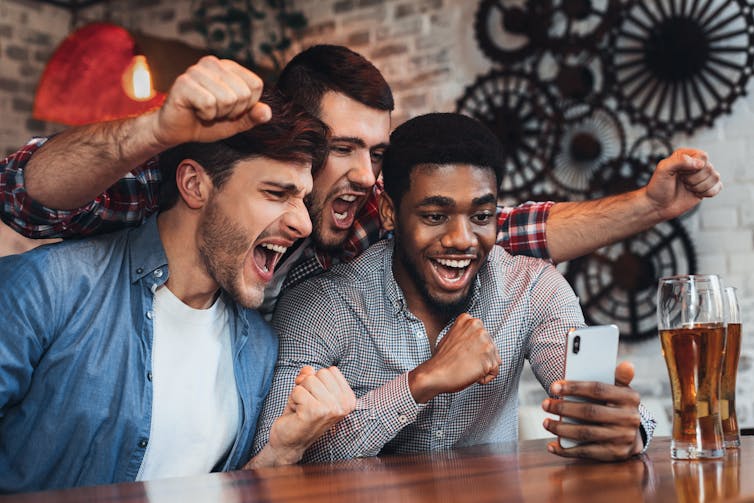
point(427, 52)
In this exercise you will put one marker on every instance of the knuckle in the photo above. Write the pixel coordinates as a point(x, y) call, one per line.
point(591, 411)
point(599, 389)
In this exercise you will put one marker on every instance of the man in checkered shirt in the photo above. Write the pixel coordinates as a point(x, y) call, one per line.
point(431, 328)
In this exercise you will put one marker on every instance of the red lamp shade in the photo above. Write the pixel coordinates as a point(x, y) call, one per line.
point(82, 82)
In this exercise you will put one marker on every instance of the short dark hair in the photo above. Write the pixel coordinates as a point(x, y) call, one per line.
point(291, 135)
point(322, 68)
point(438, 138)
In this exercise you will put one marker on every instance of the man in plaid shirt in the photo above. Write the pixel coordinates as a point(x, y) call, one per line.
point(431, 328)
point(83, 180)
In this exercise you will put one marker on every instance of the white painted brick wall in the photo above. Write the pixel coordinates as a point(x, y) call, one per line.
point(427, 51)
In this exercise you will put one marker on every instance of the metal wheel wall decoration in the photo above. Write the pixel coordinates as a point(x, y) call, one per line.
point(618, 284)
point(586, 144)
point(570, 75)
point(680, 64)
point(524, 117)
point(575, 78)
point(508, 31)
point(578, 24)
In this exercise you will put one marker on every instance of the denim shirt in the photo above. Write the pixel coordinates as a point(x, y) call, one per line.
point(76, 338)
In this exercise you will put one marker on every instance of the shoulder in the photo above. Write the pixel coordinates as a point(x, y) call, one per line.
point(519, 272)
point(333, 293)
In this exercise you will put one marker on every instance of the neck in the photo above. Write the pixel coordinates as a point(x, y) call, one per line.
point(433, 321)
point(189, 279)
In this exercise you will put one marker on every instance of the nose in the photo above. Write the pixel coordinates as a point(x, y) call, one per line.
point(459, 235)
point(362, 173)
point(297, 221)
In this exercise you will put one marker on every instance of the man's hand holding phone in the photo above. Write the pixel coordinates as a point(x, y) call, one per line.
point(606, 426)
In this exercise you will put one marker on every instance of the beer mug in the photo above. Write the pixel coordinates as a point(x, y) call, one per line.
point(692, 332)
point(731, 436)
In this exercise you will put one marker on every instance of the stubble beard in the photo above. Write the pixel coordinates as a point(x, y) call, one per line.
point(441, 308)
point(222, 248)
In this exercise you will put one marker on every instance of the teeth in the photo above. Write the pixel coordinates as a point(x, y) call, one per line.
point(276, 248)
point(459, 264)
point(340, 216)
point(349, 198)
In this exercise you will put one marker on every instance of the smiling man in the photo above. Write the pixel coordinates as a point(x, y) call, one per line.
point(117, 352)
point(431, 328)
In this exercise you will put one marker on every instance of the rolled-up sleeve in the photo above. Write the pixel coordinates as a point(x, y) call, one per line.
point(127, 203)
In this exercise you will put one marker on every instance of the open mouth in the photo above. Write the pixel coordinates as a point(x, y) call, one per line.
point(266, 257)
point(344, 210)
point(452, 274)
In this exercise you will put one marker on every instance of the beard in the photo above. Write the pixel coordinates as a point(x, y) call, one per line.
point(317, 216)
point(222, 247)
point(446, 309)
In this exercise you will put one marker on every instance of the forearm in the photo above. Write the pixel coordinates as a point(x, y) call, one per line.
point(575, 229)
point(379, 416)
point(272, 456)
point(74, 167)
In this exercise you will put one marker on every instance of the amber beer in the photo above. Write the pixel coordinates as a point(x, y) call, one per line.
point(728, 386)
point(694, 357)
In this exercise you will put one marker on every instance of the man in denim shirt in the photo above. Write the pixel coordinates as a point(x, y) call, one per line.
point(139, 354)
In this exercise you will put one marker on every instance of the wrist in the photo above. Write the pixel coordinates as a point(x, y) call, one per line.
point(421, 386)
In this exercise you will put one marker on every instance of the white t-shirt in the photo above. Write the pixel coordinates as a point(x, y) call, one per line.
point(195, 405)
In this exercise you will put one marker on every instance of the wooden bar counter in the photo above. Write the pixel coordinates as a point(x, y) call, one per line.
point(498, 472)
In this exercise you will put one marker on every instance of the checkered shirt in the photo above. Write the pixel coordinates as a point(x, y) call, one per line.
point(356, 317)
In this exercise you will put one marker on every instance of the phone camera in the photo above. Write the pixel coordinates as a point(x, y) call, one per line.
point(576, 344)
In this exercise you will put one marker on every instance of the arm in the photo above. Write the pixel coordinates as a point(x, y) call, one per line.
point(26, 319)
point(678, 184)
point(311, 334)
point(614, 426)
point(213, 99)
point(317, 401)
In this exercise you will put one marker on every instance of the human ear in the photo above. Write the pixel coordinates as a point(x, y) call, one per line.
point(194, 184)
point(387, 212)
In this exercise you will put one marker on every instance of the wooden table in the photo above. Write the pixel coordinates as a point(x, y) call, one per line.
point(498, 472)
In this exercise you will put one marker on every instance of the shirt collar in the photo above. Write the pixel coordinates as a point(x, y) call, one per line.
point(394, 292)
point(147, 255)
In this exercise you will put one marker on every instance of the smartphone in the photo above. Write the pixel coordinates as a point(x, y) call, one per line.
point(591, 355)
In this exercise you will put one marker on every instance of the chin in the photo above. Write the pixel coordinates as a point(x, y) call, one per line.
point(250, 297)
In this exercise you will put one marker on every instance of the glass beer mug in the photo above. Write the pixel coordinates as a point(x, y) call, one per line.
point(731, 436)
point(691, 322)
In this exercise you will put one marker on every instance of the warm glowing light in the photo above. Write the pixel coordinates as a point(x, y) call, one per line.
point(137, 81)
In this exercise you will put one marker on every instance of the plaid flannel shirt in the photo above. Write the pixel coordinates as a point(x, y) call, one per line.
point(356, 318)
point(521, 229)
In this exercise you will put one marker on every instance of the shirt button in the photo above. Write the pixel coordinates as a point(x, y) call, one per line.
point(439, 434)
point(150, 314)
point(158, 273)
point(402, 418)
point(149, 376)
point(143, 443)
point(139, 270)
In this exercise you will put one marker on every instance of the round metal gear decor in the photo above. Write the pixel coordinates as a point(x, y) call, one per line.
point(508, 31)
point(678, 65)
point(522, 114)
point(581, 24)
point(576, 78)
point(618, 283)
point(651, 149)
point(585, 145)
point(619, 176)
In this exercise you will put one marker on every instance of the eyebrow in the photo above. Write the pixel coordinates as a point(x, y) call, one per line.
point(447, 202)
point(291, 188)
point(356, 141)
